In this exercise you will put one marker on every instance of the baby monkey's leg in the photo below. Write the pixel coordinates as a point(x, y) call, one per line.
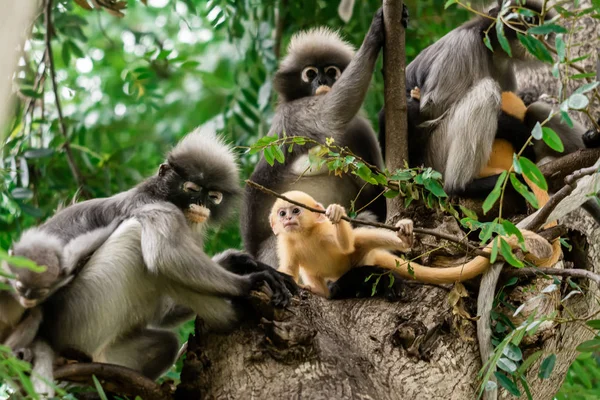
point(315, 284)
point(367, 239)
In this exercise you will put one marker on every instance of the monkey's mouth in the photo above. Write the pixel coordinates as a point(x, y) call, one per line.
point(197, 213)
point(28, 303)
point(323, 89)
point(291, 225)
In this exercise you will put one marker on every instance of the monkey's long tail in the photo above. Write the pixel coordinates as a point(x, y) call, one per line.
point(540, 253)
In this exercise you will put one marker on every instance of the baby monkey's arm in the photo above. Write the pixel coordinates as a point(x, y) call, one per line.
point(367, 239)
point(343, 229)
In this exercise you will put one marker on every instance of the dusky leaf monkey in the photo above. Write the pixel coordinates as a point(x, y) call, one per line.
point(320, 247)
point(20, 314)
point(321, 85)
point(453, 127)
point(152, 273)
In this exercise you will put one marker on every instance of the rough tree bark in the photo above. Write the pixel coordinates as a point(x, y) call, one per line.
point(372, 349)
point(394, 65)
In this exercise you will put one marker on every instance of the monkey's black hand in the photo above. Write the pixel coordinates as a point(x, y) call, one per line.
point(377, 30)
point(405, 16)
point(591, 138)
point(281, 294)
point(367, 281)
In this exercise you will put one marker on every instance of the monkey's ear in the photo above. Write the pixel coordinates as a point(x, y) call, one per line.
point(320, 217)
point(162, 170)
point(274, 226)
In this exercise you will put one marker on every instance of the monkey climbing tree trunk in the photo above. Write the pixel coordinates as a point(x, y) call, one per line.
point(394, 65)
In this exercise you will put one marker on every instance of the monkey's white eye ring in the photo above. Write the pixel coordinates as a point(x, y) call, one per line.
point(333, 72)
point(190, 187)
point(19, 285)
point(309, 73)
point(215, 197)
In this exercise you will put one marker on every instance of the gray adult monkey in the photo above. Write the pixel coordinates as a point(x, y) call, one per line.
point(321, 85)
point(152, 272)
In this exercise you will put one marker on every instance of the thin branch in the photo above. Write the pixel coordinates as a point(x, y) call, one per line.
point(570, 272)
point(61, 121)
point(467, 246)
point(118, 378)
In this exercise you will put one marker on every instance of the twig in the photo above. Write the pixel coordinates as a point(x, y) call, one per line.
point(119, 379)
point(570, 181)
point(424, 231)
point(570, 272)
point(50, 63)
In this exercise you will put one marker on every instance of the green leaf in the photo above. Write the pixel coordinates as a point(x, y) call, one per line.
point(507, 365)
point(506, 252)
point(278, 153)
point(561, 47)
point(578, 101)
point(546, 29)
point(547, 366)
point(38, 153)
point(22, 194)
point(587, 88)
point(99, 388)
point(537, 131)
point(468, 213)
point(535, 47)
point(494, 253)
point(269, 156)
point(66, 53)
point(365, 173)
point(390, 194)
point(435, 187)
point(533, 173)
point(449, 3)
point(552, 140)
point(30, 93)
point(529, 361)
point(513, 352)
point(494, 194)
point(589, 346)
point(487, 42)
point(507, 384)
point(511, 229)
point(524, 191)
point(502, 39)
point(595, 323)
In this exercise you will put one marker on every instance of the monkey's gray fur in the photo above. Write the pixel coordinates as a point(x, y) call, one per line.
point(461, 83)
point(302, 113)
point(152, 273)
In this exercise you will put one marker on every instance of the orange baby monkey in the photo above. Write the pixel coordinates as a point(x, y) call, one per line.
point(323, 247)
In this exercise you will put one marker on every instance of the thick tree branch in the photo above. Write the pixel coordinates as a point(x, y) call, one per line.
point(394, 66)
point(556, 171)
point(61, 121)
point(114, 378)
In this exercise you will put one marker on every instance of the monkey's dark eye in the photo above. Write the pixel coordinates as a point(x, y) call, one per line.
point(296, 211)
point(282, 213)
point(333, 72)
point(309, 73)
point(190, 187)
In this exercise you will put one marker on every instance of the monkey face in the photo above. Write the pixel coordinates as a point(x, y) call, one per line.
point(290, 218)
point(193, 193)
point(320, 78)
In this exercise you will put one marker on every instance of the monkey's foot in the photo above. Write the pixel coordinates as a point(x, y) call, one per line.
point(368, 281)
point(405, 16)
point(405, 231)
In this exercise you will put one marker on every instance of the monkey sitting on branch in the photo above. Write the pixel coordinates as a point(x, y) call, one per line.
point(320, 247)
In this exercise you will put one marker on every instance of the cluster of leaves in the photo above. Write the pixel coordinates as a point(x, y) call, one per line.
point(412, 184)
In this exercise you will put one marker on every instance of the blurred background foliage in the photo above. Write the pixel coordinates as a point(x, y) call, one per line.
point(131, 87)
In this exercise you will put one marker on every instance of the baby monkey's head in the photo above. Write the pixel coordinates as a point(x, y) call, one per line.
point(286, 217)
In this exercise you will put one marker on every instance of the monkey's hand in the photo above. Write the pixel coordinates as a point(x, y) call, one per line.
point(405, 231)
point(335, 212)
point(591, 138)
point(415, 93)
point(281, 295)
point(405, 16)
